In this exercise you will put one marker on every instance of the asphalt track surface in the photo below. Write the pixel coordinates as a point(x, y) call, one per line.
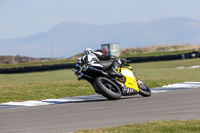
point(177, 104)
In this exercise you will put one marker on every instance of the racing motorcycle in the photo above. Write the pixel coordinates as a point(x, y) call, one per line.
point(111, 87)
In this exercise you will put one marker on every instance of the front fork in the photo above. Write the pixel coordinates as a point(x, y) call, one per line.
point(139, 83)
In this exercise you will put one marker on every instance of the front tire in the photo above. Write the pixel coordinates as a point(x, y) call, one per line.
point(107, 88)
point(144, 90)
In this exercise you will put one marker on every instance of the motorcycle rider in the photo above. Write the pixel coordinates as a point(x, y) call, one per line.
point(97, 57)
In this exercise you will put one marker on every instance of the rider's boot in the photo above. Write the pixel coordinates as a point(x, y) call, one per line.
point(117, 75)
point(114, 72)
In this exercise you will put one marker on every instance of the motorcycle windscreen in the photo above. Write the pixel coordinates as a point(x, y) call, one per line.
point(130, 79)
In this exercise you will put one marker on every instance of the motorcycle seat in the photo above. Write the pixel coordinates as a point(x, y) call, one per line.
point(106, 64)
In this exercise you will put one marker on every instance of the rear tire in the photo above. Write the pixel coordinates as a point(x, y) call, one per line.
point(107, 88)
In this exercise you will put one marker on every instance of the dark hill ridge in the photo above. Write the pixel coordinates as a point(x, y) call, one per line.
point(68, 38)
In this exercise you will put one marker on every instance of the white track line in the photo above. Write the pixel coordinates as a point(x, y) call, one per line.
point(177, 86)
point(55, 101)
point(190, 67)
point(185, 85)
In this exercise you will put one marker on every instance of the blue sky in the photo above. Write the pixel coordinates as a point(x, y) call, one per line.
point(21, 18)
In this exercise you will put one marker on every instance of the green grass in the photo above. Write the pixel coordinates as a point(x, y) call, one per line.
point(174, 126)
point(42, 85)
point(40, 91)
point(64, 83)
point(164, 72)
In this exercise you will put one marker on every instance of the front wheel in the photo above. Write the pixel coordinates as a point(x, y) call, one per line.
point(107, 88)
point(144, 90)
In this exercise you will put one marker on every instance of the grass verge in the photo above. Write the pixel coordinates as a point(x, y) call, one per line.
point(40, 91)
point(64, 83)
point(174, 126)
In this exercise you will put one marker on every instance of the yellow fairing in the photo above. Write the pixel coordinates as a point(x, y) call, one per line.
point(130, 79)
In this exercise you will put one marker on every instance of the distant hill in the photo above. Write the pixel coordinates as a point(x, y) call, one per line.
point(68, 38)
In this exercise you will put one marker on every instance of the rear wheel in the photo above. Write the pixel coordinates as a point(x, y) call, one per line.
point(107, 88)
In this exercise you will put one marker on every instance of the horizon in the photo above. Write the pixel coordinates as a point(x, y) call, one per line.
point(186, 46)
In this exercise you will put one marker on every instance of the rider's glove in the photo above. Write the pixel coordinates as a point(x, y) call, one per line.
point(123, 61)
point(119, 61)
